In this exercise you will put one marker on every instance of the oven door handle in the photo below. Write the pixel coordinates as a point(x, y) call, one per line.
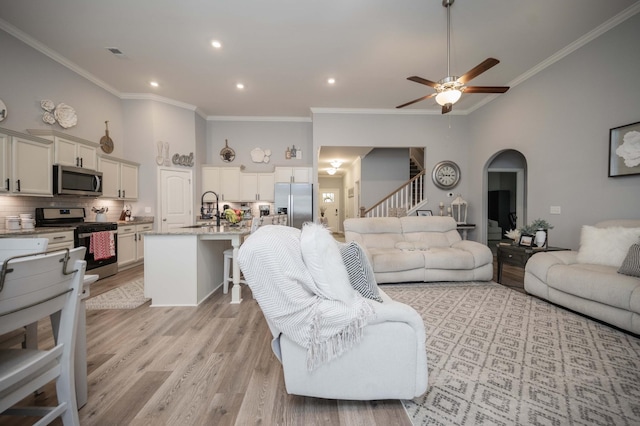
point(115, 233)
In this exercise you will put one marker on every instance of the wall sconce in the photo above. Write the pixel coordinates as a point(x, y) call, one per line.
point(459, 210)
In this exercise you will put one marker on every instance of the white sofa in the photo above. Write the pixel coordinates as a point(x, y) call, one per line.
point(593, 289)
point(388, 362)
point(419, 248)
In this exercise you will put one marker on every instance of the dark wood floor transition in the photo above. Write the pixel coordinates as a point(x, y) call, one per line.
point(208, 365)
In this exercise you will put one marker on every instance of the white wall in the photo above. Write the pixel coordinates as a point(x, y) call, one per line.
point(244, 136)
point(384, 170)
point(560, 121)
point(27, 77)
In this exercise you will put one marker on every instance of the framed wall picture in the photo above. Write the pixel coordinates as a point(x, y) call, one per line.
point(424, 213)
point(525, 240)
point(624, 150)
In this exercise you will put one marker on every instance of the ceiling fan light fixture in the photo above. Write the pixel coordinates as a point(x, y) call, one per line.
point(448, 97)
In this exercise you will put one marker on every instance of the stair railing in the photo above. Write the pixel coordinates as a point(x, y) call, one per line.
point(408, 196)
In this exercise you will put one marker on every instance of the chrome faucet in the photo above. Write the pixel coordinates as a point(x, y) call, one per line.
point(207, 215)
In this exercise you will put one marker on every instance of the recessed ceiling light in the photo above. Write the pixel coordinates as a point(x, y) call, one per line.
point(154, 83)
point(216, 44)
point(331, 80)
point(240, 86)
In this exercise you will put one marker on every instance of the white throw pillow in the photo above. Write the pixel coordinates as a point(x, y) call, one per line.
point(321, 255)
point(606, 246)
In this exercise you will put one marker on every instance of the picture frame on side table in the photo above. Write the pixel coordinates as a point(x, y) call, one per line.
point(624, 150)
point(525, 240)
point(424, 213)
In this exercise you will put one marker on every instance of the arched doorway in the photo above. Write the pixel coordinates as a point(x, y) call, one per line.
point(505, 194)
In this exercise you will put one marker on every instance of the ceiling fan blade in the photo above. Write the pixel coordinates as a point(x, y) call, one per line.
point(422, 81)
point(416, 100)
point(479, 69)
point(447, 108)
point(486, 89)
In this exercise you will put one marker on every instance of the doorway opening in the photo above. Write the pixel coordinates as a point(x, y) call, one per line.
point(505, 194)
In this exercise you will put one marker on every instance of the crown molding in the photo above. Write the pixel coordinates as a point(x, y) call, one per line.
point(383, 111)
point(258, 118)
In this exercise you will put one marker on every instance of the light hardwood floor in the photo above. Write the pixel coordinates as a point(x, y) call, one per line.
point(210, 365)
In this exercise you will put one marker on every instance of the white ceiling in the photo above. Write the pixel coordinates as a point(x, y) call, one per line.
point(284, 50)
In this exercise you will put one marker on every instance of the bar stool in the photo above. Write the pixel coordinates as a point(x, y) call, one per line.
point(228, 258)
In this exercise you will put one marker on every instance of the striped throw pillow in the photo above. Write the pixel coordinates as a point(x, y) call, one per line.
point(631, 263)
point(360, 271)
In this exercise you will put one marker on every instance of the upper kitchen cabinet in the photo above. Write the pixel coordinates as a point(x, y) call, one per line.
point(257, 187)
point(70, 150)
point(70, 153)
point(26, 166)
point(294, 174)
point(224, 181)
point(5, 176)
point(119, 178)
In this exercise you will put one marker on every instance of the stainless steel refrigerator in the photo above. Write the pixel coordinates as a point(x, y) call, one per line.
point(296, 201)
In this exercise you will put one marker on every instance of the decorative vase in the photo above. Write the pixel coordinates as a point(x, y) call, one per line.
point(541, 237)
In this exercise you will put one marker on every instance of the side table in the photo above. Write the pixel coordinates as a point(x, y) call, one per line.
point(465, 227)
point(518, 255)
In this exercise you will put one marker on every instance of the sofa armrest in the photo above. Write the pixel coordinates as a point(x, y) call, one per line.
point(481, 253)
point(540, 263)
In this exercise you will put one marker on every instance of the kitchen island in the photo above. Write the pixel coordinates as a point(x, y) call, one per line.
point(183, 266)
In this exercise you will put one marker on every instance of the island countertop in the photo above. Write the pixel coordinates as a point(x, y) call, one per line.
point(204, 230)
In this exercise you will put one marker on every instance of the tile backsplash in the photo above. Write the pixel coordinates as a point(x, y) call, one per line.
point(10, 205)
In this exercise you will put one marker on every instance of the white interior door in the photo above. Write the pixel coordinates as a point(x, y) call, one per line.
point(175, 198)
point(330, 203)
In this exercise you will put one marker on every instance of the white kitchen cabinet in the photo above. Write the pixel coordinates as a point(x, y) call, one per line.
point(131, 243)
point(57, 239)
point(5, 175)
point(70, 153)
point(119, 178)
point(26, 164)
point(224, 181)
point(126, 245)
point(31, 166)
point(294, 174)
point(257, 187)
point(70, 150)
point(140, 231)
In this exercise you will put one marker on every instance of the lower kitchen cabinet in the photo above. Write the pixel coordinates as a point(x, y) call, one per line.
point(57, 240)
point(131, 244)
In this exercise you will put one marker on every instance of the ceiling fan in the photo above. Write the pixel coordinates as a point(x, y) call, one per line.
point(450, 88)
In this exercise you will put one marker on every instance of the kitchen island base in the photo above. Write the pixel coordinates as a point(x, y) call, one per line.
point(184, 267)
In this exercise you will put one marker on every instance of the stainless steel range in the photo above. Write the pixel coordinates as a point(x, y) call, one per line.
point(100, 262)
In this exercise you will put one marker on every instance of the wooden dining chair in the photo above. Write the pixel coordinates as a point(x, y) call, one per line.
point(34, 287)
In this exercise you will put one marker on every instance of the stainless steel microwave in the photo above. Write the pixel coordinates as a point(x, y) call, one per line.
point(69, 180)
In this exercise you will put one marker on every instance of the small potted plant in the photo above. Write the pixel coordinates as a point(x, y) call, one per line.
point(540, 229)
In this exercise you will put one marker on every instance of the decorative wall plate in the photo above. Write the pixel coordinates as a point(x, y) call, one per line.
point(65, 115)
point(3, 110)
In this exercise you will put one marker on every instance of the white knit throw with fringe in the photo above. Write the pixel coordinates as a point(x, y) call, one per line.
point(272, 264)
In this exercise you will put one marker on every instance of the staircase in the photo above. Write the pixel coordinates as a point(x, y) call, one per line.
point(409, 196)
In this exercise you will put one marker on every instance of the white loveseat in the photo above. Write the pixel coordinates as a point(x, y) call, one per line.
point(419, 248)
point(591, 288)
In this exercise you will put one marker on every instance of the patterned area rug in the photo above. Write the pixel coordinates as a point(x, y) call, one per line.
point(127, 296)
point(500, 357)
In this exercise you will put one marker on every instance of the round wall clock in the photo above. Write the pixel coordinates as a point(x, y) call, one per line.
point(446, 175)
